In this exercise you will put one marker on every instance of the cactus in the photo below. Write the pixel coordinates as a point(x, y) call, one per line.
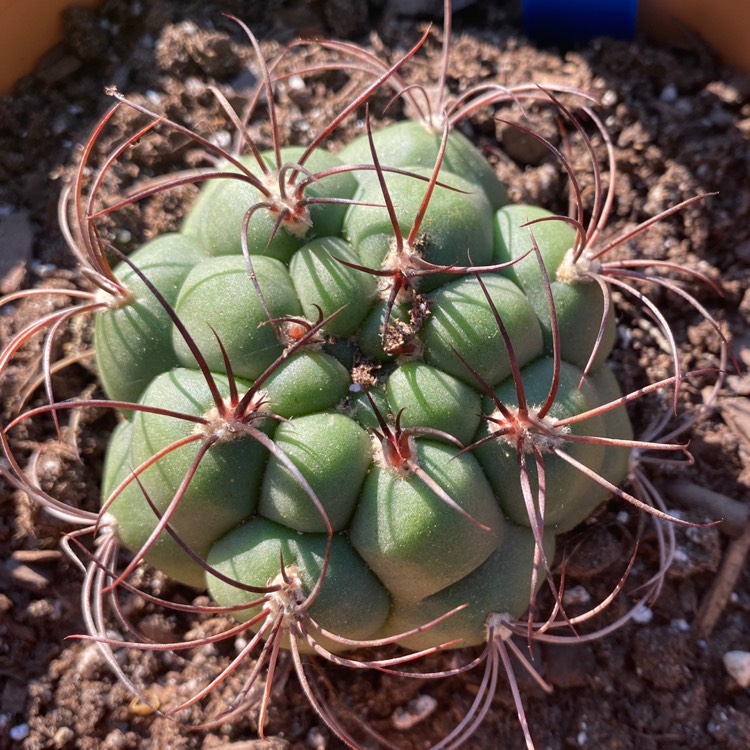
point(359, 395)
point(409, 504)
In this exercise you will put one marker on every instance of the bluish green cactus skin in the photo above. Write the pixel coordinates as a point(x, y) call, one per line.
point(353, 597)
point(400, 555)
point(133, 341)
point(215, 221)
point(579, 308)
point(413, 144)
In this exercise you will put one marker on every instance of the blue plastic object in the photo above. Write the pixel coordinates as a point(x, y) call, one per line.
point(571, 21)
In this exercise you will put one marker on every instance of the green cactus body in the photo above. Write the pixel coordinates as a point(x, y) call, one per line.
point(579, 307)
point(242, 326)
point(353, 598)
point(215, 220)
point(457, 228)
point(413, 144)
point(133, 340)
point(563, 482)
point(422, 520)
point(184, 391)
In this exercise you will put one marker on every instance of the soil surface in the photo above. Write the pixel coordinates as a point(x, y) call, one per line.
point(680, 124)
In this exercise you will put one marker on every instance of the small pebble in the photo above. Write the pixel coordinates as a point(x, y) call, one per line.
point(643, 615)
point(221, 138)
point(19, 732)
point(576, 595)
point(64, 736)
point(316, 739)
point(737, 664)
point(669, 94)
point(416, 710)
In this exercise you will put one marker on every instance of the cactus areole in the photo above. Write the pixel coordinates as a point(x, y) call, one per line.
point(360, 397)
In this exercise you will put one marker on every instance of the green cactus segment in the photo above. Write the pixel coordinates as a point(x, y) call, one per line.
point(133, 340)
point(326, 285)
point(500, 585)
point(617, 423)
point(117, 464)
point(223, 491)
point(411, 144)
point(306, 382)
point(414, 542)
point(514, 226)
point(579, 308)
point(431, 398)
point(134, 517)
point(218, 299)
point(217, 216)
point(463, 323)
point(456, 230)
point(352, 602)
point(570, 496)
point(331, 452)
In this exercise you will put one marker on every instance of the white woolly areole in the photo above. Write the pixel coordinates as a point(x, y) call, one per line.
point(110, 301)
point(574, 270)
point(297, 220)
point(286, 601)
point(497, 625)
point(224, 426)
point(379, 457)
point(541, 432)
point(404, 260)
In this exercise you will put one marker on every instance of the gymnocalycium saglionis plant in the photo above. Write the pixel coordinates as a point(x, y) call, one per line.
point(359, 395)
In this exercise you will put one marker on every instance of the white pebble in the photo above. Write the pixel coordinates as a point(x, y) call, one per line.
point(576, 595)
point(221, 138)
point(296, 83)
point(19, 732)
point(643, 614)
point(737, 663)
point(669, 93)
point(316, 739)
point(417, 710)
